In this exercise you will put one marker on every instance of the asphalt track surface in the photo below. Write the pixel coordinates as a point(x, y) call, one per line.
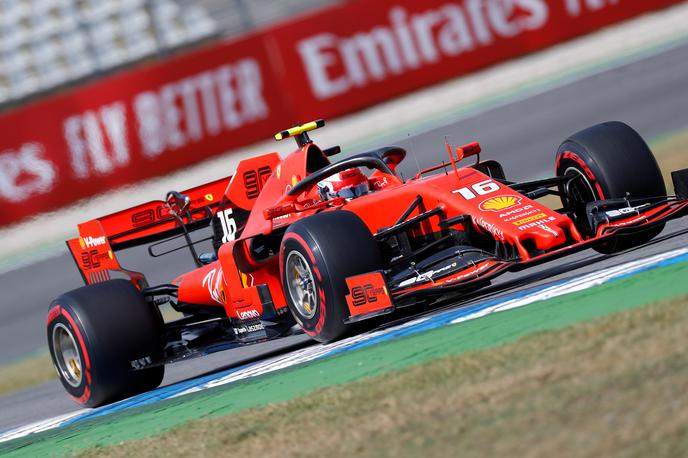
point(649, 94)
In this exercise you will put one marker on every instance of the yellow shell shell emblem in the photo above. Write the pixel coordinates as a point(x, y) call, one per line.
point(496, 204)
point(82, 244)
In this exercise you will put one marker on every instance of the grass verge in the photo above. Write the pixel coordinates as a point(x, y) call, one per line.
point(616, 386)
point(26, 372)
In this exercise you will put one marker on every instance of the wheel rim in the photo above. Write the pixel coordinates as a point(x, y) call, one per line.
point(301, 285)
point(67, 355)
point(579, 193)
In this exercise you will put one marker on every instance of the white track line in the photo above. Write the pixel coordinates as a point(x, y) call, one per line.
point(580, 284)
point(39, 426)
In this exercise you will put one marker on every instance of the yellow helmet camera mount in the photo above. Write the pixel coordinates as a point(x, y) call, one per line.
point(300, 133)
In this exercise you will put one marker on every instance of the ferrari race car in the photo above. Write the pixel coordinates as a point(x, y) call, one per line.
point(307, 243)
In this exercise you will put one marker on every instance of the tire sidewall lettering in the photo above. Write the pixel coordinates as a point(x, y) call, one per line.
point(577, 157)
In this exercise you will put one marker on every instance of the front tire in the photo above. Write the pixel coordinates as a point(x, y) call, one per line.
point(609, 160)
point(318, 253)
point(97, 335)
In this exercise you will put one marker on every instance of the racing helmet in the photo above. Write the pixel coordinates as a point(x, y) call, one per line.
point(348, 184)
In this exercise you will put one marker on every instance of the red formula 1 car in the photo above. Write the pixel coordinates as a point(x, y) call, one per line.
point(309, 241)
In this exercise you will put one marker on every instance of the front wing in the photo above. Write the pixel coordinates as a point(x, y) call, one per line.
point(480, 274)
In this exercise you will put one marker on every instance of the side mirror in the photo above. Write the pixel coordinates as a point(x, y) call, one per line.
point(177, 202)
point(471, 149)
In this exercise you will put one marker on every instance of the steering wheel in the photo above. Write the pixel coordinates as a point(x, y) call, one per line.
point(311, 180)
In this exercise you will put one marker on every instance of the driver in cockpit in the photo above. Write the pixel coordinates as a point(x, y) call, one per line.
point(349, 184)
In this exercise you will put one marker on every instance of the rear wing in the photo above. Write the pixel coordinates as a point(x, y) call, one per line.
point(94, 250)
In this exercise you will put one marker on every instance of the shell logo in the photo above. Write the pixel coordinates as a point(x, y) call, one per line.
point(496, 204)
point(209, 197)
point(82, 244)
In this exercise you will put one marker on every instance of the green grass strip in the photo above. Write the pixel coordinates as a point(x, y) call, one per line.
point(613, 387)
point(493, 330)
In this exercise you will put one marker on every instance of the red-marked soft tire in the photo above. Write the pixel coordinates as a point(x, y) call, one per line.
point(609, 160)
point(317, 254)
point(97, 334)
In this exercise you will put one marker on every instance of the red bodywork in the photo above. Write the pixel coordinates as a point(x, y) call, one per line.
point(260, 186)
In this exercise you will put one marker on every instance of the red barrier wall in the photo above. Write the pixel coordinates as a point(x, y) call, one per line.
point(171, 114)
point(136, 125)
point(364, 52)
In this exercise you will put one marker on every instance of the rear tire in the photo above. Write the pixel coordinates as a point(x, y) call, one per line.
point(317, 255)
point(611, 161)
point(97, 334)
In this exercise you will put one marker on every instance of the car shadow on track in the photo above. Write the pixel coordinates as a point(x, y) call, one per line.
point(183, 367)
